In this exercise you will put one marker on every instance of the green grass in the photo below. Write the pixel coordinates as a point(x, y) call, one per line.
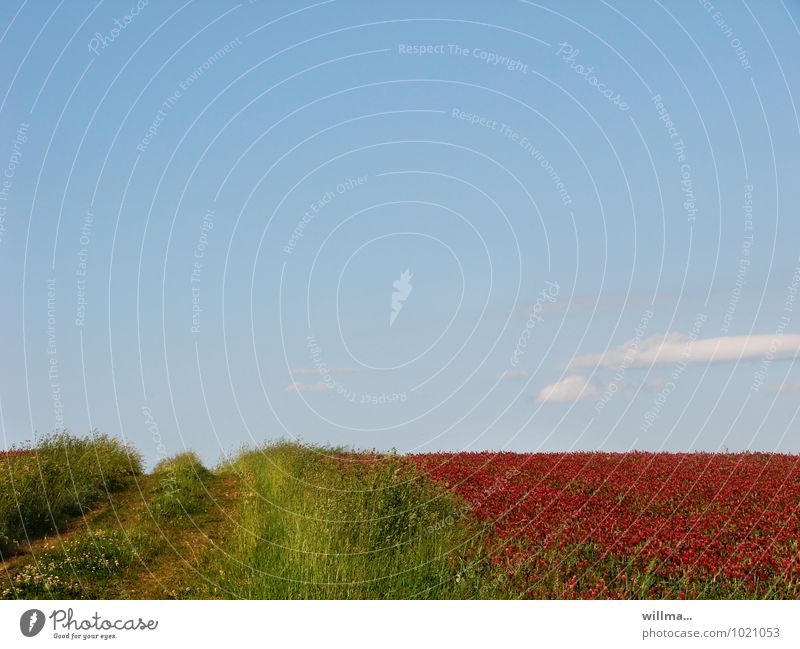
point(315, 523)
point(143, 544)
point(182, 488)
point(61, 478)
point(284, 521)
point(87, 565)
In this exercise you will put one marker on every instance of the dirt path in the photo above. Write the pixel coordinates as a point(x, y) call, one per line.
point(177, 572)
point(173, 569)
point(118, 505)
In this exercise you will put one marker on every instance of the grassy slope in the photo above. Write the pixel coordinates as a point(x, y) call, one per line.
point(63, 476)
point(145, 543)
point(281, 522)
point(317, 524)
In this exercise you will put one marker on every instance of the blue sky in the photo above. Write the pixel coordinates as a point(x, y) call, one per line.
point(209, 208)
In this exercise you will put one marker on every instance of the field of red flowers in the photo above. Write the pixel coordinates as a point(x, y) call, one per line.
point(636, 525)
point(13, 453)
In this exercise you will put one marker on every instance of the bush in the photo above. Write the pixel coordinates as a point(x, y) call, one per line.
point(59, 478)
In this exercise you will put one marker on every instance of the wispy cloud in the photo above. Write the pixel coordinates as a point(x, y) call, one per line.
point(584, 303)
point(787, 387)
point(300, 386)
point(572, 388)
point(671, 348)
point(510, 375)
point(314, 371)
point(654, 384)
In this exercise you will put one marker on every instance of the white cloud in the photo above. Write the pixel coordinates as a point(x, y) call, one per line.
point(668, 349)
point(572, 388)
point(509, 375)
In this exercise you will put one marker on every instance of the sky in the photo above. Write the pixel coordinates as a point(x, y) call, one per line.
point(423, 226)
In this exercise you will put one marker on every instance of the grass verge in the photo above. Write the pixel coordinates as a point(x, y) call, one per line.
point(320, 524)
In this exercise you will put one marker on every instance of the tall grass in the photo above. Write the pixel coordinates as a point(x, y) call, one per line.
point(182, 487)
point(313, 523)
point(57, 479)
point(108, 558)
